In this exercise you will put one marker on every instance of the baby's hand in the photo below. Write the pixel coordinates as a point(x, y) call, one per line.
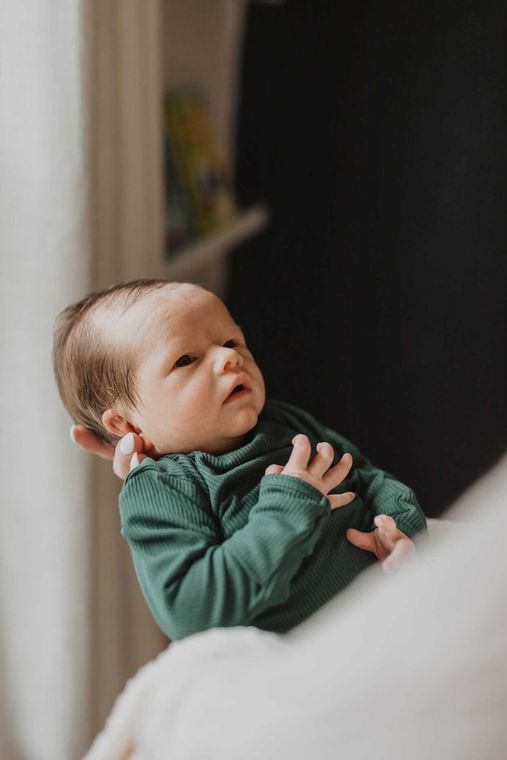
point(387, 542)
point(127, 454)
point(317, 474)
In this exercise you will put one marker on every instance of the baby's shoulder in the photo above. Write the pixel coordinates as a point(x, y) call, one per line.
point(176, 471)
point(163, 492)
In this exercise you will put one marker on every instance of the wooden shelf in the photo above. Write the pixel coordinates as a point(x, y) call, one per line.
point(138, 50)
point(195, 256)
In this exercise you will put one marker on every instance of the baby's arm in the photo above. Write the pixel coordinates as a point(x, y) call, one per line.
point(192, 579)
point(379, 490)
point(396, 513)
point(384, 495)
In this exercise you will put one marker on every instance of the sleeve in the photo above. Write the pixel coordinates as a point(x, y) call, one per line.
point(191, 579)
point(381, 492)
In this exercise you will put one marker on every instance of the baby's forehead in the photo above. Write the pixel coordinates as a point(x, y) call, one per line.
point(182, 310)
point(186, 308)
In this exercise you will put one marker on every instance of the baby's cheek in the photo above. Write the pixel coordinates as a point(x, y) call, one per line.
point(194, 408)
point(257, 376)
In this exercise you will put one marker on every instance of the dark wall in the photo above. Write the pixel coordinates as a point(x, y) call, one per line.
point(376, 132)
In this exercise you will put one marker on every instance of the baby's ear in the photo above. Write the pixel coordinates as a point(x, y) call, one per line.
point(116, 424)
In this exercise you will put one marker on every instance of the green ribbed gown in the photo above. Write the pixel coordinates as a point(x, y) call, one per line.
point(215, 542)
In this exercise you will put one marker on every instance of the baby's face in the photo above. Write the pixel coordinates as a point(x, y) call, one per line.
point(191, 358)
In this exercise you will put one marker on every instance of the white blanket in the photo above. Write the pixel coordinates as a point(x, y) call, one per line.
point(406, 666)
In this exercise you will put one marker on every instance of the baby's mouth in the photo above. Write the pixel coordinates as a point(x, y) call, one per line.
point(239, 391)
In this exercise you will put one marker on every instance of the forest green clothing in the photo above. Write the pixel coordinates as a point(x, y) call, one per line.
point(215, 542)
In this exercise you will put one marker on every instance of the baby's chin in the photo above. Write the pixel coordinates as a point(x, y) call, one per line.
point(234, 434)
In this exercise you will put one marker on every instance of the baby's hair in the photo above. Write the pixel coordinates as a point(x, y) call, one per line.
point(90, 374)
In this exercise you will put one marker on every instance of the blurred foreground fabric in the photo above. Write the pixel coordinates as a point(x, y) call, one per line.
point(412, 665)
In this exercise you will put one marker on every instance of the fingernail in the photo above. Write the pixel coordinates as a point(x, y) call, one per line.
point(127, 444)
point(134, 461)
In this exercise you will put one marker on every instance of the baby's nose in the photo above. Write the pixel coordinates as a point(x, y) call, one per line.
point(228, 359)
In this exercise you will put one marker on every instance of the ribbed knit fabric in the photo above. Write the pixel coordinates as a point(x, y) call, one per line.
point(215, 542)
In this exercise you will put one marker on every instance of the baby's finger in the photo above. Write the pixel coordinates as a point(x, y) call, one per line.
point(361, 539)
point(321, 461)
point(338, 500)
point(300, 454)
point(273, 469)
point(338, 473)
point(403, 549)
point(387, 531)
point(385, 522)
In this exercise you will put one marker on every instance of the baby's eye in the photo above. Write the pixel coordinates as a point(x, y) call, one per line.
point(183, 361)
point(228, 342)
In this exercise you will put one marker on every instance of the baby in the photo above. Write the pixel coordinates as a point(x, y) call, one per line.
point(245, 511)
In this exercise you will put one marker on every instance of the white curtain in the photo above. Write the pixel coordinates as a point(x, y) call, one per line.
point(79, 106)
point(44, 638)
